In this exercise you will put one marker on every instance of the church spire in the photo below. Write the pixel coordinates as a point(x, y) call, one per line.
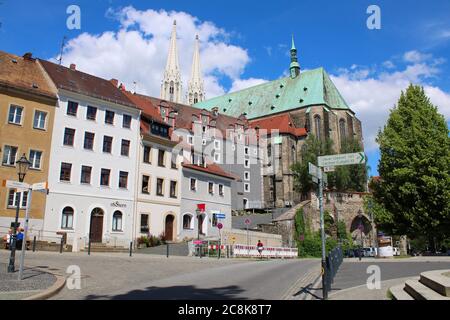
point(171, 86)
point(295, 66)
point(196, 92)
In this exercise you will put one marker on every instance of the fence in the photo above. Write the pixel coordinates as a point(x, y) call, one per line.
point(332, 263)
point(240, 250)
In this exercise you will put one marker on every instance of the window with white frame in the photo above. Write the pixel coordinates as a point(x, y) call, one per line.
point(67, 218)
point(187, 222)
point(39, 120)
point(247, 175)
point(217, 144)
point(217, 157)
point(221, 190)
point(246, 151)
point(193, 184)
point(15, 114)
point(247, 187)
point(210, 187)
point(247, 163)
point(117, 221)
point(15, 197)
point(191, 140)
point(35, 159)
point(9, 156)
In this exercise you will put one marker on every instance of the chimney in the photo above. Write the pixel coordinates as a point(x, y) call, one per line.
point(115, 82)
point(73, 66)
point(122, 87)
point(28, 56)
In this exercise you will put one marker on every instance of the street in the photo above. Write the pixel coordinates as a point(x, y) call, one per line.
point(118, 276)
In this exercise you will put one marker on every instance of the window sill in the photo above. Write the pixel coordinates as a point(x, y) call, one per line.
point(35, 169)
point(86, 184)
point(173, 197)
point(8, 165)
point(15, 124)
point(40, 129)
point(65, 182)
point(117, 232)
point(160, 195)
point(14, 208)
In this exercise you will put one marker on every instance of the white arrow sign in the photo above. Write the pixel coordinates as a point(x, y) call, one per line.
point(342, 159)
point(16, 185)
point(313, 170)
point(39, 186)
point(329, 169)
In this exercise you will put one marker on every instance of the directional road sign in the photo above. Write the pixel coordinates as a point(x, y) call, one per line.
point(329, 169)
point(313, 170)
point(39, 186)
point(220, 216)
point(15, 184)
point(342, 159)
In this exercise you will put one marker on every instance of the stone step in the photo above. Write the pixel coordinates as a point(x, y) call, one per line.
point(399, 293)
point(437, 281)
point(419, 291)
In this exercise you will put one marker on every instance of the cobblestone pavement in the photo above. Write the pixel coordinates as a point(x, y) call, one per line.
point(34, 280)
point(102, 273)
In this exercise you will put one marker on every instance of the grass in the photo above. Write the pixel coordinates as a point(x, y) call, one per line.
point(402, 257)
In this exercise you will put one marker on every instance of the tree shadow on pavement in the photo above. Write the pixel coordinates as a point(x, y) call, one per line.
point(176, 293)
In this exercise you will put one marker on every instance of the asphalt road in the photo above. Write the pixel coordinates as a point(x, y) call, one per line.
point(263, 280)
point(143, 276)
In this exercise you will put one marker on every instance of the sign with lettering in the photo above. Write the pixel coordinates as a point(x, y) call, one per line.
point(342, 159)
point(117, 204)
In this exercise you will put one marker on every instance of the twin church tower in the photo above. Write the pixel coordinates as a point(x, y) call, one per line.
point(171, 86)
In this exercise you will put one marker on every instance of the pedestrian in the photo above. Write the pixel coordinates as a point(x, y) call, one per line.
point(19, 238)
point(260, 247)
point(7, 239)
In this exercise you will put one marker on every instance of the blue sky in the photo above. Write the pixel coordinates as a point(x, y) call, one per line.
point(246, 42)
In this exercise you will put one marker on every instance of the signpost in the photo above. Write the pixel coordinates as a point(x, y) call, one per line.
point(247, 223)
point(220, 226)
point(342, 159)
point(22, 187)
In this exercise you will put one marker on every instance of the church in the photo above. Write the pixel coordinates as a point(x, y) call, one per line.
point(305, 102)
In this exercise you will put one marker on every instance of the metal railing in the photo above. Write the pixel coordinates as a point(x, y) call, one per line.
point(332, 263)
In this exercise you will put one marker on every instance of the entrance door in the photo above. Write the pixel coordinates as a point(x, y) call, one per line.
point(169, 228)
point(97, 225)
point(201, 218)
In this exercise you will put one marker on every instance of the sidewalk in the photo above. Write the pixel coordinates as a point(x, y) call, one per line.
point(34, 282)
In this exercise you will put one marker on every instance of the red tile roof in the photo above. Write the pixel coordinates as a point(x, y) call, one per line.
point(211, 169)
point(283, 123)
point(145, 104)
point(25, 74)
point(86, 84)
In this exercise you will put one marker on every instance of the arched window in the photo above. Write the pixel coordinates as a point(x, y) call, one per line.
point(293, 154)
point(171, 91)
point(317, 126)
point(342, 131)
point(195, 98)
point(187, 220)
point(117, 221)
point(67, 218)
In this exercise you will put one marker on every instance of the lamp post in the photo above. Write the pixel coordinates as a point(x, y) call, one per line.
point(22, 165)
point(198, 212)
point(360, 227)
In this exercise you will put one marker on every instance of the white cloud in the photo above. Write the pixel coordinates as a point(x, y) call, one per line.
point(137, 51)
point(415, 56)
point(240, 84)
point(372, 97)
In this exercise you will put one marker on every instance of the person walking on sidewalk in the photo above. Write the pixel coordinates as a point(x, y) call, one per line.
point(260, 248)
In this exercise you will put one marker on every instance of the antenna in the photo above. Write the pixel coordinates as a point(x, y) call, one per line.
point(135, 86)
point(62, 49)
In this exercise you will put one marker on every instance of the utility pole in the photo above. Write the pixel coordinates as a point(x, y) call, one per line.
point(322, 232)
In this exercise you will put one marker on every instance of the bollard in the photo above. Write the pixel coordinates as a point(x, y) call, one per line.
point(167, 250)
point(89, 247)
point(131, 248)
point(34, 243)
point(61, 245)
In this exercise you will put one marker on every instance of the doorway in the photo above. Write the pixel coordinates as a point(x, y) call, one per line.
point(169, 227)
point(97, 225)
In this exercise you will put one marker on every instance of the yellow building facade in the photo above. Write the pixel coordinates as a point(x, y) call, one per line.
point(27, 108)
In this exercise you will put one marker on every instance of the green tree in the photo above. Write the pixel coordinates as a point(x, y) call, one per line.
point(345, 178)
point(414, 189)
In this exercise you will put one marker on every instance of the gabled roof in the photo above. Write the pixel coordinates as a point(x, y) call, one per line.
point(283, 123)
point(213, 169)
point(85, 84)
point(24, 74)
point(145, 104)
point(312, 87)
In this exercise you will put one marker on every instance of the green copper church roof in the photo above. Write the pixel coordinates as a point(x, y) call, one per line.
point(312, 87)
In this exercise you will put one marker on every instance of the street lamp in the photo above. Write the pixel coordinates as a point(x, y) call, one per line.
point(22, 167)
point(360, 227)
point(199, 213)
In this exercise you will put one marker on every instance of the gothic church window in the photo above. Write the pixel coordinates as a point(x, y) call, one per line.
point(342, 131)
point(317, 126)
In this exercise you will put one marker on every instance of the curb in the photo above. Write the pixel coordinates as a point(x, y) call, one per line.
point(50, 292)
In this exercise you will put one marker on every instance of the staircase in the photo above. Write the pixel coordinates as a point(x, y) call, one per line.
point(103, 247)
point(431, 285)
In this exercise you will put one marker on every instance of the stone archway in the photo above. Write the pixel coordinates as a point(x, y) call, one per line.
point(360, 229)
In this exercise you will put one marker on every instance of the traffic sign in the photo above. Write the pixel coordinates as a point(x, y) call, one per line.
point(313, 170)
point(220, 216)
point(329, 169)
point(39, 186)
point(219, 226)
point(15, 184)
point(247, 221)
point(342, 159)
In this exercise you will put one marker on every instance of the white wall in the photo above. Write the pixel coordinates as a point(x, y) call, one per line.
point(84, 198)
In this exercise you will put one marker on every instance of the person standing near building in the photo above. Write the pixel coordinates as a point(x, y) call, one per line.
point(260, 247)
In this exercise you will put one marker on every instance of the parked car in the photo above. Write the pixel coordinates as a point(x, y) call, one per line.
point(370, 252)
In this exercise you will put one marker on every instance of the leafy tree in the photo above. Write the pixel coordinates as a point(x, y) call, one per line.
point(345, 178)
point(414, 189)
